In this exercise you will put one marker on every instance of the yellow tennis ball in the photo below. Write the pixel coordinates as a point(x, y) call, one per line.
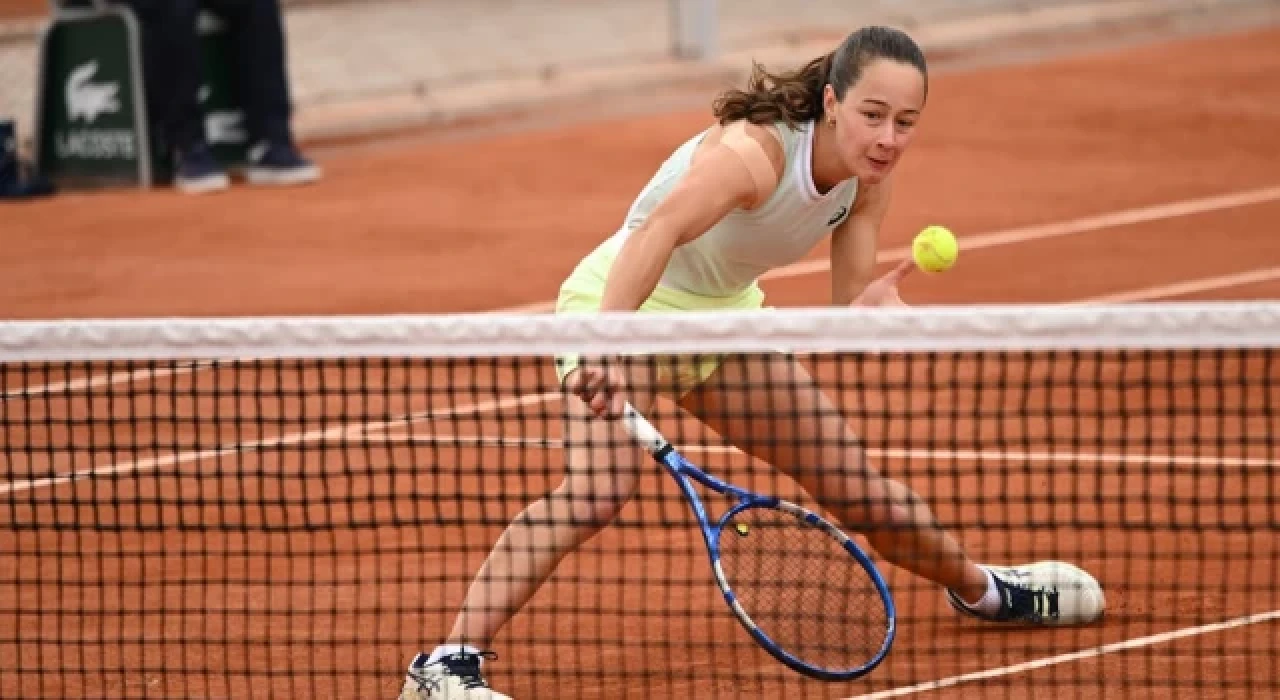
point(935, 249)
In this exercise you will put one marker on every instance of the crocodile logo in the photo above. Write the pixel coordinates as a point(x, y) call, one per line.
point(87, 100)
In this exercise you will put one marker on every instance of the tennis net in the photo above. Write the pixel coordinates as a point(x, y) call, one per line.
point(292, 507)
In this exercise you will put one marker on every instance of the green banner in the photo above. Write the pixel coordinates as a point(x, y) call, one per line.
point(91, 122)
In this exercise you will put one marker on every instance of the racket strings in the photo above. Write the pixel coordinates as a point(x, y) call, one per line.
point(802, 589)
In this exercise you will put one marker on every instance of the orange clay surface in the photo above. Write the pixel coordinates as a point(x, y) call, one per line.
point(432, 224)
point(485, 223)
point(23, 9)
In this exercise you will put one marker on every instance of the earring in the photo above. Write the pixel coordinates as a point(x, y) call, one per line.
point(831, 122)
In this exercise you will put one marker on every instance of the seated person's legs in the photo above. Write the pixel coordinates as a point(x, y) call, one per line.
point(257, 34)
point(17, 180)
point(171, 58)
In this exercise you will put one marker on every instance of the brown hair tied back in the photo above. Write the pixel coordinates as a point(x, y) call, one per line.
point(796, 96)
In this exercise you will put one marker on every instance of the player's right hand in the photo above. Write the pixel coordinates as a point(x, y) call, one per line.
point(601, 384)
point(884, 291)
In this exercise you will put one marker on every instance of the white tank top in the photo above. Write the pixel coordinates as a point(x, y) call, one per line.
point(745, 244)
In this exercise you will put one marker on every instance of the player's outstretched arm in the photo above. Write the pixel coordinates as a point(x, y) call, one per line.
point(739, 169)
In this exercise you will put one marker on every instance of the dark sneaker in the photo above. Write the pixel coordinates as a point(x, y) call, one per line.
point(196, 171)
point(276, 163)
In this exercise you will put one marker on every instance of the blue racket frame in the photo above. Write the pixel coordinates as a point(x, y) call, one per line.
point(682, 470)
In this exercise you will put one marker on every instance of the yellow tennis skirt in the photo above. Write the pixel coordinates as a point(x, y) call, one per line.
point(583, 291)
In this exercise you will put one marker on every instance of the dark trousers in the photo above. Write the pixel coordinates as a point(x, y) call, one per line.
point(172, 64)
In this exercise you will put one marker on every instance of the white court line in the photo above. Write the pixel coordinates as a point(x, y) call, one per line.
point(1178, 289)
point(1024, 234)
point(881, 453)
point(95, 381)
point(288, 439)
point(1081, 655)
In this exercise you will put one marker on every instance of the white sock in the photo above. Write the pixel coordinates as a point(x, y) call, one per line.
point(447, 649)
point(989, 603)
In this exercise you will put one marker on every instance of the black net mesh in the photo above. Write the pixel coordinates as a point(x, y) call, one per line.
point(301, 527)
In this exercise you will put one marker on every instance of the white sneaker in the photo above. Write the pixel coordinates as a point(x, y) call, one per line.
point(1050, 593)
point(455, 677)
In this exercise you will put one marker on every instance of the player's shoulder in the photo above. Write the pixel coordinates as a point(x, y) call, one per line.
point(747, 135)
point(758, 148)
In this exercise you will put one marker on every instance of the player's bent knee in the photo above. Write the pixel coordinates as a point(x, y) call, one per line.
point(594, 507)
point(597, 510)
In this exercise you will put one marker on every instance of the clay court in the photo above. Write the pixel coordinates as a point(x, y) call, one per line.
point(1144, 173)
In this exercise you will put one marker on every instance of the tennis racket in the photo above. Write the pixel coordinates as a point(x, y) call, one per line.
point(802, 588)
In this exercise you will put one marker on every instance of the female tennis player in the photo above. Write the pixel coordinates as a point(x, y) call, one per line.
point(791, 159)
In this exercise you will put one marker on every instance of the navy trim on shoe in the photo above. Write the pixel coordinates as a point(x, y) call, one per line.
point(463, 666)
point(279, 163)
point(196, 171)
point(1018, 602)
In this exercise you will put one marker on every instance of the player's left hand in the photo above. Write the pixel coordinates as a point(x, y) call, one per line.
point(884, 291)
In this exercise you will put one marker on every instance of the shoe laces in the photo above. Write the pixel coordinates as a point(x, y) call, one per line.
point(1027, 601)
point(466, 668)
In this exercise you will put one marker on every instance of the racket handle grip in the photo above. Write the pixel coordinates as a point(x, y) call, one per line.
point(642, 430)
